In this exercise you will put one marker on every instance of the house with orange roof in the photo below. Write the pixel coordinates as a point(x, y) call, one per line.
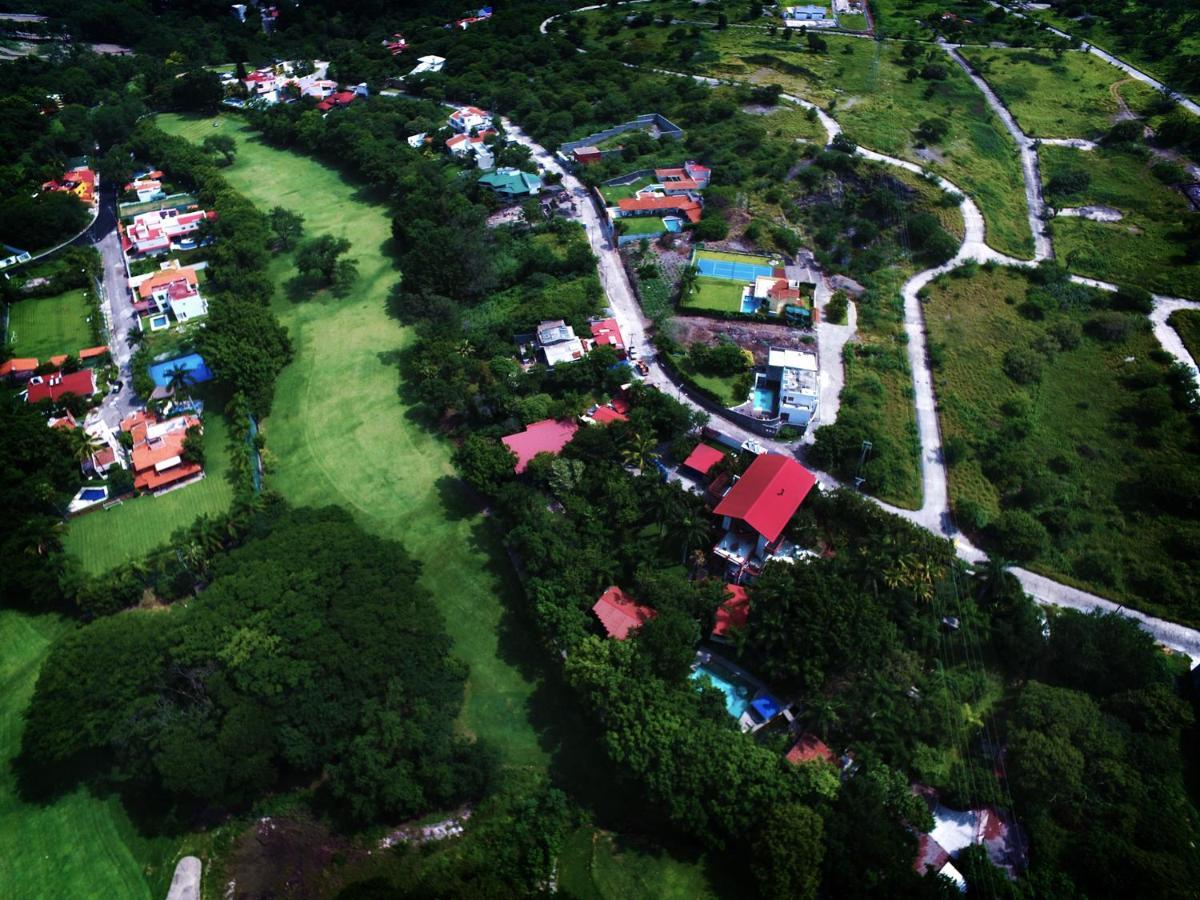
point(661, 205)
point(689, 177)
point(157, 455)
point(80, 181)
point(173, 289)
point(18, 368)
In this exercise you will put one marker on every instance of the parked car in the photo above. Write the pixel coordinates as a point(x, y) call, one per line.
point(116, 387)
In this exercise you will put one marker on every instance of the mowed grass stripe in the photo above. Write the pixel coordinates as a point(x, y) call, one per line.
point(341, 432)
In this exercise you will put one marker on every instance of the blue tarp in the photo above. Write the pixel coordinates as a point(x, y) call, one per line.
point(193, 362)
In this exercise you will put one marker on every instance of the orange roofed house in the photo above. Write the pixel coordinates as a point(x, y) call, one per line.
point(175, 289)
point(158, 461)
point(757, 509)
point(80, 181)
point(620, 614)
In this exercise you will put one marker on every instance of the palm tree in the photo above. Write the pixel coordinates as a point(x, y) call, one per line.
point(825, 714)
point(179, 381)
point(84, 445)
point(914, 572)
point(640, 452)
point(992, 577)
point(694, 532)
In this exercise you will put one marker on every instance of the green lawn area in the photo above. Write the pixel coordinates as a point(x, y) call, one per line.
point(643, 225)
point(342, 433)
point(1083, 450)
point(48, 326)
point(1144, 248)
point(722, 256)
point(719, 294)
point(77, 845)
point(614, 192)
point(853, 22)
point(1059, 96)
point(864, 85)
point(1187, 323)
point(597, 865)
point(105, 539)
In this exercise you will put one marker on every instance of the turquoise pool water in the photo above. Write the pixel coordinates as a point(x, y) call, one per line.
point(737, 693)
point(750, 304)
point(764, 399)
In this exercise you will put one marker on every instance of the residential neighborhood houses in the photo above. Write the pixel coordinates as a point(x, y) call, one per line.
point(173, 291)
point(512, 184)
point(80, 181)
point(649, 203)
point(163, 230)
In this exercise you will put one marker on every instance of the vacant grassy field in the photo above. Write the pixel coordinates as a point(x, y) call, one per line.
point(48, 326)
point(1145, 248)
point(718, 294)
point(596, 865)
point(853, 22)
point(1083, 446)
point(78, 845)
point(105, 539)
point(1187, 323)
point(1059, 96)
point(864, 84)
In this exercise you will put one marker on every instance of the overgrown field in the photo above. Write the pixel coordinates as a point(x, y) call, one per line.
point(1060, 95)
point(1187, 323)
point(1148, 247)
point(1065, 439)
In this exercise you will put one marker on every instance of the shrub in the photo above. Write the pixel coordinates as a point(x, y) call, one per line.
point(1169, 172)
point(1067, 332)
point(1019, 535)
point(835, 309)
point(1133, 299)
point(1128, 131)
point(1068, 183)
point(1023, 365)
point(971, 516)
point(934, 72)
point(1110, 326)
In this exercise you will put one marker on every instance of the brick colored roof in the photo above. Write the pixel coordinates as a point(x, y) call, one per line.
point(58, 359)
point(546, 436)
point(768, 495)
point(703, 458)
point(734, 612)
point(168, 277)
point(690, 209)
point(607, 331)
point(150, 480)
point(809, 747)
point(90, 352)
point(620, 614)
point(606, 414)
point(57, 385)
point(18, 365)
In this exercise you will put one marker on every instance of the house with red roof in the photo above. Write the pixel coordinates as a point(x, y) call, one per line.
point(702, 459)
point(470, 119)
point(173, 289)
point(546, 436)
point(157, 455)
point(620, 614)
point(18, 368)
point(605, 414)
point(732, 614)
point(56, 385)
point(661, 205)
point(685, 179)
point(80, 181)
point(809, 747)
point(338, 100)
point(758, 507)
point(607, 333)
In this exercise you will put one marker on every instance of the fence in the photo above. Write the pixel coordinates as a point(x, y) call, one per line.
point(665, 128)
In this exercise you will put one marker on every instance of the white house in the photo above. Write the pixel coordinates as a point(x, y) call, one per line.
point(558, 343)
point(467, 119)
point(429, 64)
point(416, 141)
point(799, 384)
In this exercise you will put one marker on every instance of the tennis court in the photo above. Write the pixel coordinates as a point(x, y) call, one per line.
point(733, 271)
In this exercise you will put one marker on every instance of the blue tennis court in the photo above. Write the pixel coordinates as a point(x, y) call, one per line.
point(733, 271)
point(193, 363)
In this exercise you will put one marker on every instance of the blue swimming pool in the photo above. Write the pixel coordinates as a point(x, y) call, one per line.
point(157, 322)
point(737, 692)
point(765, 398)
point(733, 271)
point(750, 303)
point(193, 363)
point(673, 225)
point(93, 494)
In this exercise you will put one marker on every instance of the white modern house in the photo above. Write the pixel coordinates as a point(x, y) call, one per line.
point(429, 64)
point(799, 384)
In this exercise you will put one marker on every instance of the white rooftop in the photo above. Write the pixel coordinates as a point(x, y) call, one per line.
point(792, 359)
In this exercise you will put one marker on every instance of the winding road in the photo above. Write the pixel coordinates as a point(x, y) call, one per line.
point(935, 513)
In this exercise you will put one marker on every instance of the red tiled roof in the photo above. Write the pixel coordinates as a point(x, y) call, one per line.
point(58, 359)
point(620, 404)
point(103, 458)
point(809, 747)
point(768, 495)
point(620, 614)
point(91, 352)
point(57, 385)
point(137, 417)
point(734, 612)
point(606, 414)
point(687, 208)
point(546, 436)
point(607, 331)
point(703, 458)
point(67, 421)
point(18, 366)
point(185, 277)
point(150, 480)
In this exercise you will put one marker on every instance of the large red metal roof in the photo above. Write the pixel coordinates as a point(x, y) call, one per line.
point(768, 495)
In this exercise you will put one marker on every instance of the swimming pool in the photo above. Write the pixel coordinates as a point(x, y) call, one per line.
point(193, 363)
point(764, 398)
point(157, 322)
point(750, 303)
point(93, 494)
point(737, 692)
point(673, 225)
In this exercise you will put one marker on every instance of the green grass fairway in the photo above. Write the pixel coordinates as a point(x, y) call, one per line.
point(105, 539)
point(47, 326)
point(718, 294)
point(1075, 95)
point(1187, 323)
point(342, 434)
point(1144, 249)
point(78, 845)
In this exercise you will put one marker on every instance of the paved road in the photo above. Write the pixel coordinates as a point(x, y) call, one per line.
point(185, 884)
point(117, 304)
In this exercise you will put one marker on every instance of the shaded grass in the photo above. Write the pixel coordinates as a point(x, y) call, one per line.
point(719, 294)
point(1187, 323)
point(1081, 439)
point(343, 434)
point(48, 326)
point(597, 865)
point(105, 539)
point(1146, 248)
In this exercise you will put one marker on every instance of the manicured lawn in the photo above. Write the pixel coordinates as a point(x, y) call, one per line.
point(77, 845)
point(643, 225)
point(1187, 323)
point(853, 22)
point(596, 865)
point(1084, 448)
point(722, 256)
point(343, 434)
point(719, 294)
point(105, 539)
point(614, 192)
point(48, 326)
point(1059, 96)
point(1144, 248)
